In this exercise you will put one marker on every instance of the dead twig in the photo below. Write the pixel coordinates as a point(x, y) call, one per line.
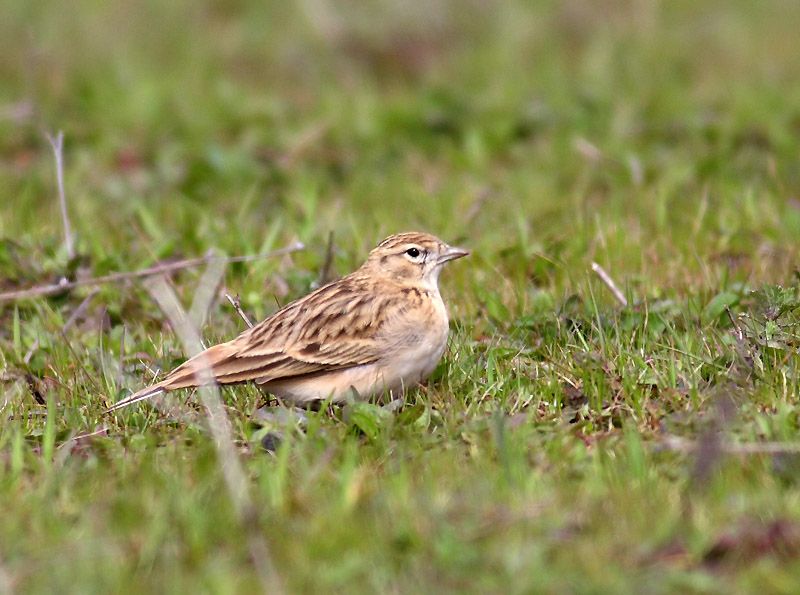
point(238, 307)
point(609, 282)
point(57, 143)
point(55, 288)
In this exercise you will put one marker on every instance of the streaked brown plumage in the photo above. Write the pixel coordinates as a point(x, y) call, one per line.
point(379, 329)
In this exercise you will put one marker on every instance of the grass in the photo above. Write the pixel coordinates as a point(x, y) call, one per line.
point(657, 139)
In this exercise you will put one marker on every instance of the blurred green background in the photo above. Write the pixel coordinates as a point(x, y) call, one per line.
point(658, 138)
point(626, 124)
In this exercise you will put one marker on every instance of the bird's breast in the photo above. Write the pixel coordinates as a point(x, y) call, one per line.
point(417, 342)
point(413, 341)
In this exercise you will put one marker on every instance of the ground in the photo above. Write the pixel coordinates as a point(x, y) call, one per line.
point(566, 443)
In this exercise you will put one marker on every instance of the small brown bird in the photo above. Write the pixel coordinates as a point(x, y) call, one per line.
point(378, 330)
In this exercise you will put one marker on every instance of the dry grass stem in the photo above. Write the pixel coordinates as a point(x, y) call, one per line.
point(55, 288)
point(57, 143)
point(206, 291)
point(609, 282)
point(234, 301)
point(220, 426)
point(102, 431)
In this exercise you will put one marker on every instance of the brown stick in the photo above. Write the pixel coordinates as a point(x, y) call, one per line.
point(606, 278)
point(54, 288)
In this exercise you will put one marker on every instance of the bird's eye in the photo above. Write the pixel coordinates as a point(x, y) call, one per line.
point(413, 252)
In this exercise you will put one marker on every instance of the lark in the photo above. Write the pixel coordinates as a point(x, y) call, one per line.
point(379, 330)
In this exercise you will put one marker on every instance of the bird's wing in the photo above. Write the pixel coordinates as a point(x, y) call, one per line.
point(335, 327)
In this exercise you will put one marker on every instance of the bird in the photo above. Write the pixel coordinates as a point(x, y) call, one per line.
point(379, 330)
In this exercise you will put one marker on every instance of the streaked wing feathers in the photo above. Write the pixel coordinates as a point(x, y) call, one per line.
point(332, 328)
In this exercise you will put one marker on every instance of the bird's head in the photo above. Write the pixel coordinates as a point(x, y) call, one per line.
point(412, 257)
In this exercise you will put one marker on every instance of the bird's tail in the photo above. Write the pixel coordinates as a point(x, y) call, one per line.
point(140, 395)
point(187, 375)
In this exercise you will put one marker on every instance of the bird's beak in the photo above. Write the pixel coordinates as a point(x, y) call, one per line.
point(451, 253)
